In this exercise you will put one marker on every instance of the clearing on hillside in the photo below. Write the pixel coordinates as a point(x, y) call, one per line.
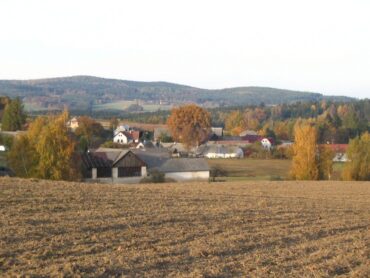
point(234, 229)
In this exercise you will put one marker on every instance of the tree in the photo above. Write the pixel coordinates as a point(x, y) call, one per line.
point(325, 162)
point(14, 117)
point(358, 166)
point(45, 151)
point(189, 124)
point(304, 164)
point(234, 122)
point(89, 130)
point(23, 158)
point(113, 123)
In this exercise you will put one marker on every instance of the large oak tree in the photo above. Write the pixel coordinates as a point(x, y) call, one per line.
point(189, 124)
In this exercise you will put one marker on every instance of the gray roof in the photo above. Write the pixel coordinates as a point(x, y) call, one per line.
point(160, 159)
point(155, 159)
point(184, 165)
point(218, 149)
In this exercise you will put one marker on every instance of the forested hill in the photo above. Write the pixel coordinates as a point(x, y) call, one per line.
point(80, 92)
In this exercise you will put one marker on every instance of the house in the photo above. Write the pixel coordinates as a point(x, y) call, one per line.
point(218, 131)
point(121, 128)
point(127, 137)
point(266, 143)
point(73, 123)
point(130, 166)
point(339, 152)
point(220, 151)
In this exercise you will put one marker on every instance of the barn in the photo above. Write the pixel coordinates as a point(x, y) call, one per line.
point(130, 166)
point(117, 166)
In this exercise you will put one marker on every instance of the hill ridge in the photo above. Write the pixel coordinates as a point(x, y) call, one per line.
point(82, 92)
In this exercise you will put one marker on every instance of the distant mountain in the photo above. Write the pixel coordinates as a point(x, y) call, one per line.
point(85, 92)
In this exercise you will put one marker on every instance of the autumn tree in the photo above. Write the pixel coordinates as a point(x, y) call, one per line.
point(234, 122)
point(189, 124)
point(358, 166)
point(325, 162)
point(89, 131)
point(45, 151)
point(304, 164)
point(22, 157)
point(14, 117)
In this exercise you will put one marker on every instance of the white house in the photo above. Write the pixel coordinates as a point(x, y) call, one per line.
point(122, 137)
point(73, 123)
point(126, 137)
point(266, 143)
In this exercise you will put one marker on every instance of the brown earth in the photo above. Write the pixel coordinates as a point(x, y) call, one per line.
point(234, 229)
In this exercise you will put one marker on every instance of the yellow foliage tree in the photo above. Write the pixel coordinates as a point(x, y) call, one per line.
point(358, 166)
point(234, 122)
point(189, 124)
point(46, 151)
point(304, 164)
point(325, 162)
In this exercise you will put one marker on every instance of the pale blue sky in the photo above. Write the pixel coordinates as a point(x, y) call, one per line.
point(321, 46)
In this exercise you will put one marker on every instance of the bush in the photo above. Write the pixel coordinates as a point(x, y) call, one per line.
point(217, 172)
point(154, 177)
point(276, 178)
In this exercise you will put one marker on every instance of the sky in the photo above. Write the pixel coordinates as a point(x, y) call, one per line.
point(319, 46)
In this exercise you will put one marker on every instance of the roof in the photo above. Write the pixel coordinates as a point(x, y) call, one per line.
point(161, 160)
point(155, 159)
point(338, 148)
point(99, 159)
point(252, 138)
point(220, 149)
point(184, 165)
point(248, 132)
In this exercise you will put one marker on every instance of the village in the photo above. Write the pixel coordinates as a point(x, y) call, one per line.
point(136, 154)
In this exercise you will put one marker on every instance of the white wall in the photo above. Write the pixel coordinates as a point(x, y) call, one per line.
point(120, 138)
point(186, 176)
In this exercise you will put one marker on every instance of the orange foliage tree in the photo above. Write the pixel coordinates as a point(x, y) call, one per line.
point(189, 124)
point(304, 164)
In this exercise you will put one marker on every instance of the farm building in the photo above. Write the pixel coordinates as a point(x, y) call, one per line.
point(115, 165)
point(130, 166)
point(220, 151)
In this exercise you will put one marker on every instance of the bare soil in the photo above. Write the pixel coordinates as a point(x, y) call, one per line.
point(234, 229)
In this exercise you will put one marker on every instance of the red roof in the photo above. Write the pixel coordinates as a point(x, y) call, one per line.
point(338, 148)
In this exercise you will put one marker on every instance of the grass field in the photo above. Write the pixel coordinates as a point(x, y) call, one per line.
point(234, 229)
point(260, 169)
point(124, 104)
point(253, 169)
